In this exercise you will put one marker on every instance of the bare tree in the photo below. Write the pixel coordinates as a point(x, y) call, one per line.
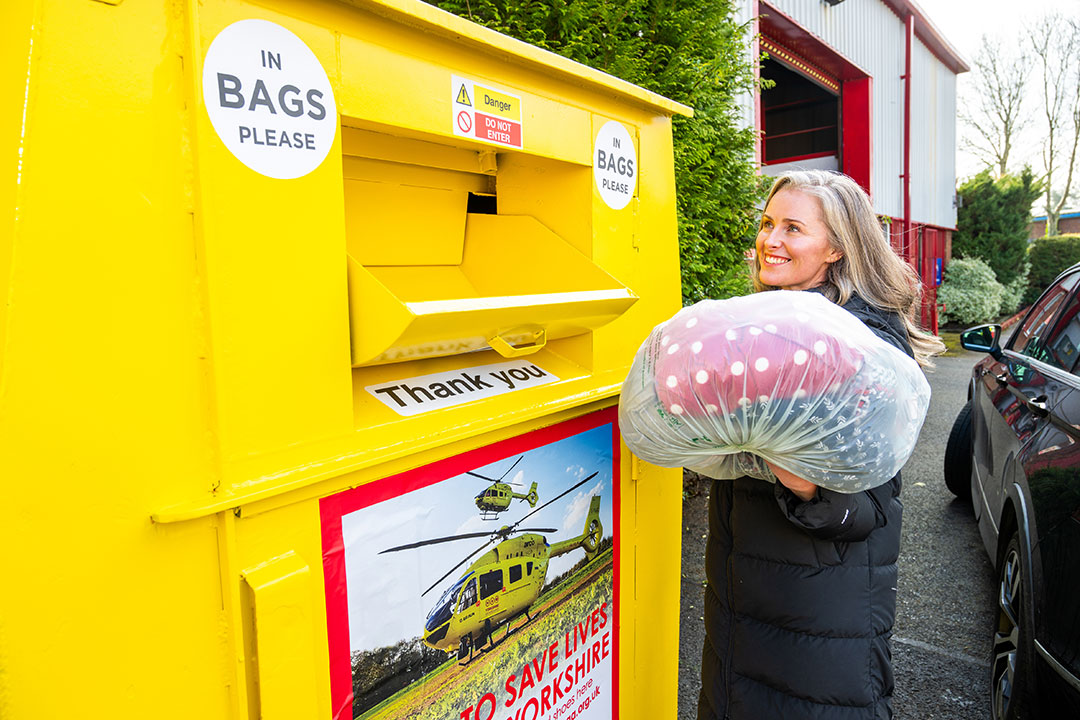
point(1055, 42)
point(996, 111)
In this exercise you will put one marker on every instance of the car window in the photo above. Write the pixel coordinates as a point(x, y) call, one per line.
point(1063, 338)
point(1036, 338)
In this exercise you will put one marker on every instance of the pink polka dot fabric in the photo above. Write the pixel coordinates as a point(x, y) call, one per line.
point(734, 363)
point(785, 376)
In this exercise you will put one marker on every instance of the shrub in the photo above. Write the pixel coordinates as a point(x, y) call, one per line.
point(991, 224)
point(1048, 257)
point(691, 52)
point(1012, 296)
point(970, 292)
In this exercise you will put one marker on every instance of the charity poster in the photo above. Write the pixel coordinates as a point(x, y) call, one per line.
point(482, 586)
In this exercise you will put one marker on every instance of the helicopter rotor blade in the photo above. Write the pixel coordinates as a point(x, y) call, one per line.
point(520, 458)
point(564, 492)
point(435, 541)
point(485, 477)
point(451, 570)
point(500, 534)
point(497, 536)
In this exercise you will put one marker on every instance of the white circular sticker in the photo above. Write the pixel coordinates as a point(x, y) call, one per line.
point(269, 99)
point(613, 165)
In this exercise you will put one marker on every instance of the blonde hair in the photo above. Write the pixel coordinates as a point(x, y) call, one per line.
point(869, 268)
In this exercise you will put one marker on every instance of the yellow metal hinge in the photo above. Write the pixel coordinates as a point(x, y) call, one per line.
point(488, 162)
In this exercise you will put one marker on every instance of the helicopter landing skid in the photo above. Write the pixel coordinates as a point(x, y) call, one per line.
point(489, 514)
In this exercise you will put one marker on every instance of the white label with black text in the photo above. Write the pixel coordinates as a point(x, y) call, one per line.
point(269, 99)
point(425, 393)
point(614, 160)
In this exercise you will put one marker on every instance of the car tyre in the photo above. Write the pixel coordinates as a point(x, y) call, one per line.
point(1012, 655)
point(958, 455)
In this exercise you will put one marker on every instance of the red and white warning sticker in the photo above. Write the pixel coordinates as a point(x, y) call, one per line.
point(485, 113)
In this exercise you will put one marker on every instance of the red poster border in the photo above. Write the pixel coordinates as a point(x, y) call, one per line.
point(334, 507)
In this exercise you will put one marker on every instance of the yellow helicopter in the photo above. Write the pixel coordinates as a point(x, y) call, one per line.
point(502, 584)
point(496, 498)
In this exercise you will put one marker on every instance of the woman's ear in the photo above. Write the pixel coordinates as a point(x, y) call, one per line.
point(833, 256)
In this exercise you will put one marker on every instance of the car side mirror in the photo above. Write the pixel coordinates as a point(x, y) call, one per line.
point(982, 338)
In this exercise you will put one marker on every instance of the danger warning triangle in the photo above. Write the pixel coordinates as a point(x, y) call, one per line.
point(463, 97)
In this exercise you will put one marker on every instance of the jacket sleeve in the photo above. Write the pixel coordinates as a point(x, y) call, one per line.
point(837, 516)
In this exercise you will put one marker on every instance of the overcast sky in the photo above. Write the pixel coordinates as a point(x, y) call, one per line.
point(964, 22)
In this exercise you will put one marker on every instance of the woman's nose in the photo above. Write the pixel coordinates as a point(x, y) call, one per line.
point(771, 239)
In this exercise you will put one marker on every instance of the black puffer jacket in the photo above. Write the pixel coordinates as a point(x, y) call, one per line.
point(801, 596)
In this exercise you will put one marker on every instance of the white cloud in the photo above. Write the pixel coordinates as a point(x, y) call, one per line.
point(577, 472)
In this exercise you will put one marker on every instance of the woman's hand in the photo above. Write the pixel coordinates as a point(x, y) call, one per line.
point(803, 489)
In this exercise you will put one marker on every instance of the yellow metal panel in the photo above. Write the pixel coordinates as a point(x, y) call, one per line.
point(413, 92)
point(387, 146)
point(514, 273)
point(379, 233)
point(439, 22)
point(651, 680)
point(284, 627)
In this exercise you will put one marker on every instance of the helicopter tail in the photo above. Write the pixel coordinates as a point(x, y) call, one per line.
point(594, 529)
point(589, 539)
point(532, 497)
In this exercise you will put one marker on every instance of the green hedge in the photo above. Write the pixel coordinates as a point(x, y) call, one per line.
point(1048, 257)
point(691, 51)
point(992, 221)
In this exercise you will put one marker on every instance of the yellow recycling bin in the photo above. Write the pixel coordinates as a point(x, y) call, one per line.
point(314, 320)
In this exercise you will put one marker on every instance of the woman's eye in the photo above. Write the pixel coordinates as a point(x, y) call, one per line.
point(793, 228)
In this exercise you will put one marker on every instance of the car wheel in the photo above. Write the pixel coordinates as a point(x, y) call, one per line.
point(1012, 654)
point(958, 455)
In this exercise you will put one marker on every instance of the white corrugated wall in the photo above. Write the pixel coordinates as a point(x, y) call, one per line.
point(871, 36)
point(933, 139)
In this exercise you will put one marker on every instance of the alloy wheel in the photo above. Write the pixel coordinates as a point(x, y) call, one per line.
point(1007, 635)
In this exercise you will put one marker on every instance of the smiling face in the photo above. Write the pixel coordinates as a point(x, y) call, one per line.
point(793, 242)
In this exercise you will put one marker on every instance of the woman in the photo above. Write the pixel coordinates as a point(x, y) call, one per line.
point(801, 593)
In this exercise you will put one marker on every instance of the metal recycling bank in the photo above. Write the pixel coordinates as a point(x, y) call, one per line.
point(358, 284)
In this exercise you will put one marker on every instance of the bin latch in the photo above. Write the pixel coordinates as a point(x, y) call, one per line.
point(503, 342)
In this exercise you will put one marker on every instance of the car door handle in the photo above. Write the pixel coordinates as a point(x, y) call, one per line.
point(1037, 405)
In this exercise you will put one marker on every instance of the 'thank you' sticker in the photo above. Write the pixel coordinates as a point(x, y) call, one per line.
point(614, 167)
point(269, 99)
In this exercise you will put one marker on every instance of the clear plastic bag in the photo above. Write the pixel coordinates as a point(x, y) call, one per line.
point(783, 376)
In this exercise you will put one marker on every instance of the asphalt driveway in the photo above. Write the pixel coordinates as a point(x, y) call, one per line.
point(945, 603)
